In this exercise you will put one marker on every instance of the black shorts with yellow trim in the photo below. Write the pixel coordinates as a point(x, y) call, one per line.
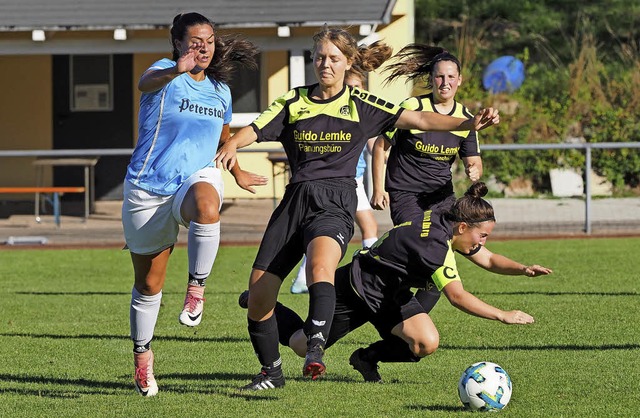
point(308, 210)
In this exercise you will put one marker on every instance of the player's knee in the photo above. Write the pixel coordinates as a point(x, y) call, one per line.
point(426, 345)
point(207, 213)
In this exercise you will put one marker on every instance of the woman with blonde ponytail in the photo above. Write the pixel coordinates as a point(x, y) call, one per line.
point(323, 128)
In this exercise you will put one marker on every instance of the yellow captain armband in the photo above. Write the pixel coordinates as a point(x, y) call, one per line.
point(448, 272)
point(445, 275)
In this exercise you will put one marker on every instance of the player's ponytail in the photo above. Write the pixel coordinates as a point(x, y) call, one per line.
point(472, 208)
point(416, 62)
point(231, 52)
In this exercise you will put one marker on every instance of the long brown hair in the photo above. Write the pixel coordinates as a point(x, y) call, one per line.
point(417, 61)
point(230, 50)
point(472, 208)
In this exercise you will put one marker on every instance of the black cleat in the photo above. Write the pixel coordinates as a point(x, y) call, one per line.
point(313, 365)
point(243, 299)
point(368, 369)
point(263, 381)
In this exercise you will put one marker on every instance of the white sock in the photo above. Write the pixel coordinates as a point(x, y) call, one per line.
point(202, 248)
point(143, 316)
point(368, 242)
point(302, 272)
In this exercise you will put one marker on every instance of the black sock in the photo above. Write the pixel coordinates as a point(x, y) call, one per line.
point(322, 304)
point(264, 337)
point(288, 323)
point(142, 348)
point(390, 350)
point(197, 282)
point(428, 298)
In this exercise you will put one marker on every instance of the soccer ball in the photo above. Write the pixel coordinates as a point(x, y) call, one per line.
point(485, 386)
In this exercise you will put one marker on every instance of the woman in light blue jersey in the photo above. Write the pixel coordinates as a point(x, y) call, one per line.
point(185, 110)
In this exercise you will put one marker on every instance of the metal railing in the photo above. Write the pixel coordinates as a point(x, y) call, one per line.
point(588, 147)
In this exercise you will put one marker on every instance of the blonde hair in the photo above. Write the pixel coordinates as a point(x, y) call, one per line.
point(363, 58)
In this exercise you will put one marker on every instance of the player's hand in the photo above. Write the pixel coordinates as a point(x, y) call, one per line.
point(473, 172)
point(246, 180)
point(516, 317)
point(379, 201)
point(485, 118)
point(189, 59)
point(536, 270)
point(226, 156)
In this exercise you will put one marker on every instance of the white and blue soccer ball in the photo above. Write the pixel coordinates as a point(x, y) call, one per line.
point(485, 386)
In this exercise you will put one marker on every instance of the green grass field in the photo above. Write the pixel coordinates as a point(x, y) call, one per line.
point(65, 349)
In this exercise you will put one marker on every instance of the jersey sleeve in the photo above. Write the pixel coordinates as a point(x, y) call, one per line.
point(446, 273)
point(411, 103)
point(379, 114)
point(162, 64)
point(270, 124)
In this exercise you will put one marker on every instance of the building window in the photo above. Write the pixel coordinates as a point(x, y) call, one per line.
point(245, 90)
point(91, 83)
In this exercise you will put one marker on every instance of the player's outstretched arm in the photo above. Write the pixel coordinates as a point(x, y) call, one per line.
point(466, 302)
point(226, 156)
point(431, 121)
point(499, 264)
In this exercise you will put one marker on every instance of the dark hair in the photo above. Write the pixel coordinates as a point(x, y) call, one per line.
point(416, 61)
point(230, 50)
point(363, 58)
point(472, 208)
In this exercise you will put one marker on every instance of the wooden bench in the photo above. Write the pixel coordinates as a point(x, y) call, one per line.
point(56, 192)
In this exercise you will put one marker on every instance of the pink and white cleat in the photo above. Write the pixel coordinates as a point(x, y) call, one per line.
point(145, 382)
point(191, 314)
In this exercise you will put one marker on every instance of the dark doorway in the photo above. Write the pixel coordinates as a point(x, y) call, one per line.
point(92, 108)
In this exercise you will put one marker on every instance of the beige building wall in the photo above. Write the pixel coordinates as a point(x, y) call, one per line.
point(398, 34)
point(25, 115)
point(274, 83)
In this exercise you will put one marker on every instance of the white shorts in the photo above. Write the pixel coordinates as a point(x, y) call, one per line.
point(363, 200)
point(151, 221)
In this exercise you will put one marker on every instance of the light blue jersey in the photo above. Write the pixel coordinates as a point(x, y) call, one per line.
point(179, 129)
point(362, 164)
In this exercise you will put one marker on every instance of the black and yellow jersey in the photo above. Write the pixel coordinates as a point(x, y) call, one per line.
point(414, 254)
point(421, 161)
point(324, 138)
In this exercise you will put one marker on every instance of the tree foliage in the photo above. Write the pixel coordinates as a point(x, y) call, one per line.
point(582, 62)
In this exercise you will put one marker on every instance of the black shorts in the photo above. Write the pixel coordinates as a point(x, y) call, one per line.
point(310, 209)
point(406, 206)
point(352, 311)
